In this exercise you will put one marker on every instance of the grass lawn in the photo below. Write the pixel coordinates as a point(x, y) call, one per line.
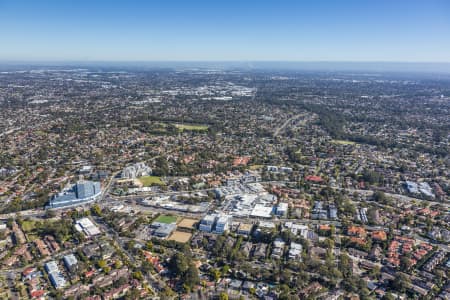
point(151, 180)
point(28, 226)
point(256, 167)
point(342, 142)
point(32, 237)
point(40, 133)
point(166, 219)
point(183, 127)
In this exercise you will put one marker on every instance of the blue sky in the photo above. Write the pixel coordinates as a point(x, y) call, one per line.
point(245, 30)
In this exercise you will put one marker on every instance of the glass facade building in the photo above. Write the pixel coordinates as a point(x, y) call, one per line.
point(82, 192)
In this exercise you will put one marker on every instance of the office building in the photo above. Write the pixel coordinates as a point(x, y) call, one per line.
point(70, 262)
point(282, 209)
point(86, 226)
point(222, 223)
point(137, 170)
point(55, 276)
point(80, 193)
point(207, 223)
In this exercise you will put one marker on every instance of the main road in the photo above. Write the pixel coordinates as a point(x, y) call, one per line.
point(367, 193)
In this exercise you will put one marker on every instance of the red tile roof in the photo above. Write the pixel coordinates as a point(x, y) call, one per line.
point(38, 293)
point(314, 178)
point(379, 235)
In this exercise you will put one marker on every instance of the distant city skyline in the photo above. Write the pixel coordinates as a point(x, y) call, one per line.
point(319, 31)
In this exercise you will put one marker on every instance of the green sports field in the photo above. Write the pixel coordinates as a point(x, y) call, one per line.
point(183, 127)
point(150, 180)
point(343, 142)
point(166, 219)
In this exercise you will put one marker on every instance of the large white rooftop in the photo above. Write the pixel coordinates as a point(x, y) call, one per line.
point(86, 226)
point(262, 211)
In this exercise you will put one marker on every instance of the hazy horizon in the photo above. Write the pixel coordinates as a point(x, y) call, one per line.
point(324, 66)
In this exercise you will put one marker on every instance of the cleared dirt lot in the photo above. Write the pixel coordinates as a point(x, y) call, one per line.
point(187, 223)
point(180, 236)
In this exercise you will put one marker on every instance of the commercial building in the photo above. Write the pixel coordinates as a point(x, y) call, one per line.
point(85, 169)
point(262, 211)
point(276, 169)
point(361, 215)
point(333, 212)
point(51, 267)
point(426, 190)
point(295, 251)
point(207, 223)
point(215, 223)
point(244, 229)
point(86, 226)
point(136, 170)
point(55, 276)
point(278, 248)
point(282, 209)
point(222, 223)
point(164, 230)
point(70, 262)
point(296, 229)
point(318, 212)
point(263, 228)
point(412, 187)
point(272, 168)
point(80, 193)
point(422, 187)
